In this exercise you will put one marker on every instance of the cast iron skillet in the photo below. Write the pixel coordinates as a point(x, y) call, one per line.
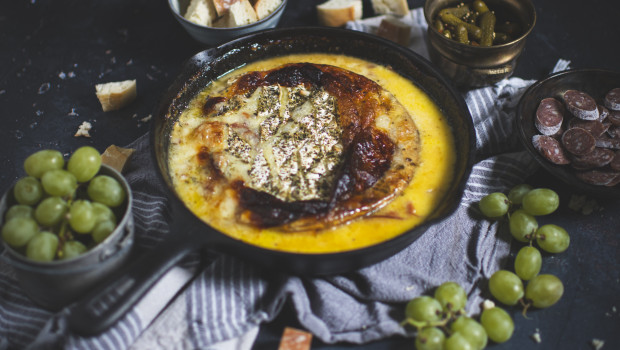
point(101, 309)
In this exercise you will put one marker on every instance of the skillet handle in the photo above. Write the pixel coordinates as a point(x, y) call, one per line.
point(102, 307)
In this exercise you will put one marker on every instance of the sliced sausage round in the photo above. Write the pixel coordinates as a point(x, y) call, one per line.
point(608, 142)
point(581, 105)
point(595, 127)
point(595, 159)
point(612, 99)
point(551, 149)
point(549, 116)
point(598, 177)
point(614, 117)
point(578, 141)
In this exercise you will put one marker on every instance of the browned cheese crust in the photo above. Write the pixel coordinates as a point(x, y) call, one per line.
point(363, 162)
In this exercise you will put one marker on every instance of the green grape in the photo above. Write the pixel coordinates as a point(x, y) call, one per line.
point(103, 213)
point(42, 247)
point(540, 201)
point(528, 263)
point(552, 238)
point(84, 163)
point(423, 309)
point(59, 183)
point(457, 341)
point(430, 338)
point(72, 249)
point(39, 162)
point(471, 330)
point(50, 211)
point(506, 287)
point(106, 190)
point(498, 324)
point(515, 195)
point(102, 230)
point(18, 231)
point(451, 296)
point(81, 216)
point(494, 205)
point(522, 225)
point(19, 211)
point(28, 190)
point(544, 290)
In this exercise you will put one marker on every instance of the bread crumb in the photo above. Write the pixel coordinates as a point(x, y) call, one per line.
point(83, 130)
point(597, 344)
point(487, 304)
point(147, 118)
point(536, 336)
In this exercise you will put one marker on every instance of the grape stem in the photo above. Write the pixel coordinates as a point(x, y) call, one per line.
point(526, 305)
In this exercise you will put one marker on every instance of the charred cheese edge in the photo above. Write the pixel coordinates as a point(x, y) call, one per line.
point(433, 174)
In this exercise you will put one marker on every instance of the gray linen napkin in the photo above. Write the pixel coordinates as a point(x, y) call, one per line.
point(230, 297)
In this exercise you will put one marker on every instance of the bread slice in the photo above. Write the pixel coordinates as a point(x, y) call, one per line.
point(336, 13)
point(201, 12)
point(241, 13)
point(116, 95)
point(264, 7)
point(394, 29)
point(390, 7)
point(222, 6)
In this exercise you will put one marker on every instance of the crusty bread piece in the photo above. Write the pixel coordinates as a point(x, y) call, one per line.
point(241, 13)
point(201, 12)
point(390, 7)
point(116, 95)
point(222, 6)
point(116, 157)
point(264, 7)
point(336, 13)
point(83, 129)
point(394, 29)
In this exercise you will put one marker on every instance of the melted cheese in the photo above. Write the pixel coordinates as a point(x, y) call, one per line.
point(414, 206)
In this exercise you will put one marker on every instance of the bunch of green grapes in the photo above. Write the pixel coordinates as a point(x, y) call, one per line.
point(442, 323)
point(61, 210)
point(521, 207)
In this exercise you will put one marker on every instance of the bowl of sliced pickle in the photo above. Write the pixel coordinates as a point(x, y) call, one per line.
point(477, 42)
point(65, 225)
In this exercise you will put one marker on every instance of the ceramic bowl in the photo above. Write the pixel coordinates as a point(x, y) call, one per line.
point(471, 66)
point(58, 283)
point(595, 82)
point(212, 36)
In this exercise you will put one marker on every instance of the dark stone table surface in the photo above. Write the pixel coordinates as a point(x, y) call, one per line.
point(52, 53)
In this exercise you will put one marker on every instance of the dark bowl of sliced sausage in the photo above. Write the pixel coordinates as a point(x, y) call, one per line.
point(570, 123)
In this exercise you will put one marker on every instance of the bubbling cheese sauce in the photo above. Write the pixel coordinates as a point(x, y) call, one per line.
point(417, 202)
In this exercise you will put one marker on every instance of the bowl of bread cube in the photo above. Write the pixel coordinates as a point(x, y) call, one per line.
point(212, 22)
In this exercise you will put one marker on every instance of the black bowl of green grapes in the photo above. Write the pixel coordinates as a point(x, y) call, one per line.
point(66, 225)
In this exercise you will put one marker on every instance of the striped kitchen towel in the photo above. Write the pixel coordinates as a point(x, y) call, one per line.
point(229, 298)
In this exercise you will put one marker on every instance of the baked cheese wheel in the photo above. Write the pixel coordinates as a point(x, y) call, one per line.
point(303, 146)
